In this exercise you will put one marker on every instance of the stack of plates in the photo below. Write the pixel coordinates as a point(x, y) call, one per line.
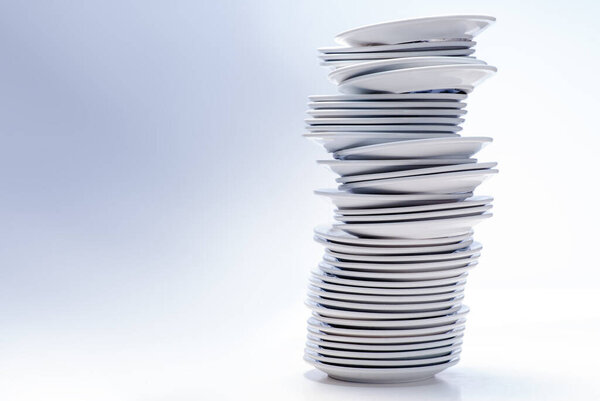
point(386, 299)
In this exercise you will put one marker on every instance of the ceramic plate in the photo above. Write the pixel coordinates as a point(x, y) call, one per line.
point(334, 234)
point(412, 354)
point(380, 362)
point(384, 128)
point(377, 250)
point(431, 45)
point(388, 104)
point(316, 281)
point(458, 254)
point(336, 141)
point(386, 333)
point(351, 200)
point(415, 229)
point(417, 171)
point(385, 348)
point(346, 296)
point(463, 147)
point(398, 276)
point(455, 182)
point(371, 67)
point(463, 77)
point(374, 218)
point(387, 112)
point(473, 201)
point(384, 120)
point(367, 56)
point(381, 375)
point(445, 97)
point(360, 167)
point(356, 282)
point(404, 266)
point(416, 30)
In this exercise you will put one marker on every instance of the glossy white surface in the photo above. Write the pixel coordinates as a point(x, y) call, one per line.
point(385, 112)
point(357, 167)
point(464, 77)
point(353, 58)
point(384, 120)
point(373, 218)
point(386, 127)
point(343, 199)
point(469, 202)
point(375, 250)
point(438, 44)
point(336, 141)
point(388, 97)
point(387, 104)
point(413, 29)
point(461, 253)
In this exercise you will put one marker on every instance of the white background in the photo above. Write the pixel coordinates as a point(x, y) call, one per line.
point(157, 211)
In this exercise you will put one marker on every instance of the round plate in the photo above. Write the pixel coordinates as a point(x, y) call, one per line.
point(386, 340)
point(414, 229)
point(349, 200)
point(387, 292)
point(443, 183)
point(374, 250)
point(414, 354)
point(401, 267)
point(473, 201)
point(373, 218)
point(336, 141)
point(417, 171)
point(380, 362)
point(463, 77)
point(414, 112)
point(384, 348)
point(385, 128)
point(346, 168)
point(355, 282)
point(459, 254)
point(346, 295)
point(365, 307)
point(397, 276)
point(370, 67)
point(367, 56)
point(388, 104)
point(381, 375)
point(462, 147)
point(389, 334)
point(416, 29)
point(432, 45)
point(384, 120)
point(389, 97)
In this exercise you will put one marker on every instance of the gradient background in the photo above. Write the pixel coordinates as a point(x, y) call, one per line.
point(157, 212)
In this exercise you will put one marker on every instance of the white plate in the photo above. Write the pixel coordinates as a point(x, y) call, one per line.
point(385, 348)
point(386, 333)
point(336, 141)
point(356, 282)
point(415, 229)
point(463, 77)
point(351, 200)
point(384, 120)
point(385, 128)
point(315, 280)
point(381, 375)
point(368, 307)
point(334, 234)
point(371, 67)
point(463, 147)
point(379, 363)
point(367, 56)
point(346, 296)
point(387, 112)
point(458, 254)
point(414, 354)
point(388, 104)
point(473, 201)
point(360, 167)
point(401, 267)
point(375, 250)
point(431, 45)
point(430, 97)
point(417, 171)
point(459, 181)
point(421, 339)
point(416, 29)
point(395, 276)
point(374, 218)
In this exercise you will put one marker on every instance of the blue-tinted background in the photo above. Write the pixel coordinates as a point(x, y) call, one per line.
point(155, 190)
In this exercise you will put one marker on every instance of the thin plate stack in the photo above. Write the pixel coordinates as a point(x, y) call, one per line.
point(386, 299)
